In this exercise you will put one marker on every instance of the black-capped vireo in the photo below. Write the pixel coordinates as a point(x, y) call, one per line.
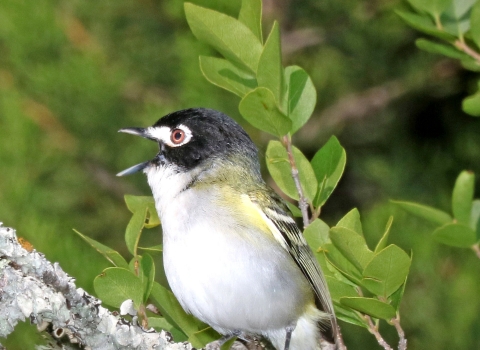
point(233, 256)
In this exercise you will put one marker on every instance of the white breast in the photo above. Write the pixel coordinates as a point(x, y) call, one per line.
point(225, 273)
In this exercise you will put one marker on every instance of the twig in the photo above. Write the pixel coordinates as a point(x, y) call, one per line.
point(374, 330)
point(476, 249)
point(402, 343)
point(340, 343)
point(303, 204)
point(299, 39)
point(302, 201)
point(354, 106)
point(462, 46)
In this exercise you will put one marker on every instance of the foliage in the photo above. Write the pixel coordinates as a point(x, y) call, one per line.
point(456, 26)
point(281, 101)
point(280, 109)
point(135, 280)
point(72, 73)
point(463, 229)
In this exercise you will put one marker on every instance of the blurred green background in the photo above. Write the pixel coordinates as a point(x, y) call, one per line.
point(74, 72)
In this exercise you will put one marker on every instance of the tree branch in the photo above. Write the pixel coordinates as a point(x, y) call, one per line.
point(34, 288)
point(302, 201)
point(303, 204)
point(402, 343)
point(374, 330)
point(462, 46)
point(340, 343)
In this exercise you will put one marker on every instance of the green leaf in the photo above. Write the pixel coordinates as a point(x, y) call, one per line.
point(339, 289)
point(434, 7)
point(296, 212)
point(301, 96)
point(316, 234)
point(327, 268)
point(475, 218)
point(279, 167)
point(259, 108)
point(306, 174)
point(148, 275)
point(170, 308)
point(471, 104)
point(396, 297)
point(251, 16)
point(138, 203)
point(350, 316)
point(387, 271)
point(328, 165)
point(115, 285)
point(111, 255)
point(228, 344)
point(134, 265)
point(424, 24)
point(382, 243)
point(153, 250)
point(455, 235)
point(332, 271)
point(441, 49)
point(352, 246)
point(204, 336)
point(456, 18)
point(470, 63)
point(351, 220)
point(475, 23)
point(134, 230)
point(142, 203)
point(270, 69)
point(425, 212)
point(462, 196)
point(160, 323)
point(233, 39)
point(370, 306)
point(228, 76)
point(335, 257)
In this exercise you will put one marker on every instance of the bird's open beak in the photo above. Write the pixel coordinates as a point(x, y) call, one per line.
point(139, 167)
point(142, 132)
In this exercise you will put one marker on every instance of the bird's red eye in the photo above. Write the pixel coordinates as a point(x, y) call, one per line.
point(177, 136)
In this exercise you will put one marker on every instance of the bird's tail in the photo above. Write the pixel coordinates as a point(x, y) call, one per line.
point(307, 334)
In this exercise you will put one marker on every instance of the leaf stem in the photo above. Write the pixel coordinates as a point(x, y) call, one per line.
point(476, 249)
point(402, 343)
point(340, 343)
point(302, 201)
point(142, 315)
point(374, 330)
point(462, 46)
point(438, 23)
point(303, 204)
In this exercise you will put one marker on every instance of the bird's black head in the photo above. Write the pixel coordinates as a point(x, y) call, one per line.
point(189, 137)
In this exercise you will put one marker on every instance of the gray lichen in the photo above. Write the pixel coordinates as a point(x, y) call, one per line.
point(33, 288)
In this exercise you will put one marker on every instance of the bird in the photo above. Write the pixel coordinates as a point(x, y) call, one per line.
point(233, 255)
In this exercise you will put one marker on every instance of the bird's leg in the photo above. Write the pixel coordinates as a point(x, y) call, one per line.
point(288, 336)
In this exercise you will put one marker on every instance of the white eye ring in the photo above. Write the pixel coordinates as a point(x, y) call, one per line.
point(174, 137)
point(179, 136)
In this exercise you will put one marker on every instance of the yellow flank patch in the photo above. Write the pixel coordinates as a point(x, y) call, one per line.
point(259, 218)
point(247, 213)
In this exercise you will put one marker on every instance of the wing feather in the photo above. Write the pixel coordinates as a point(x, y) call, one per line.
point(291, 238)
